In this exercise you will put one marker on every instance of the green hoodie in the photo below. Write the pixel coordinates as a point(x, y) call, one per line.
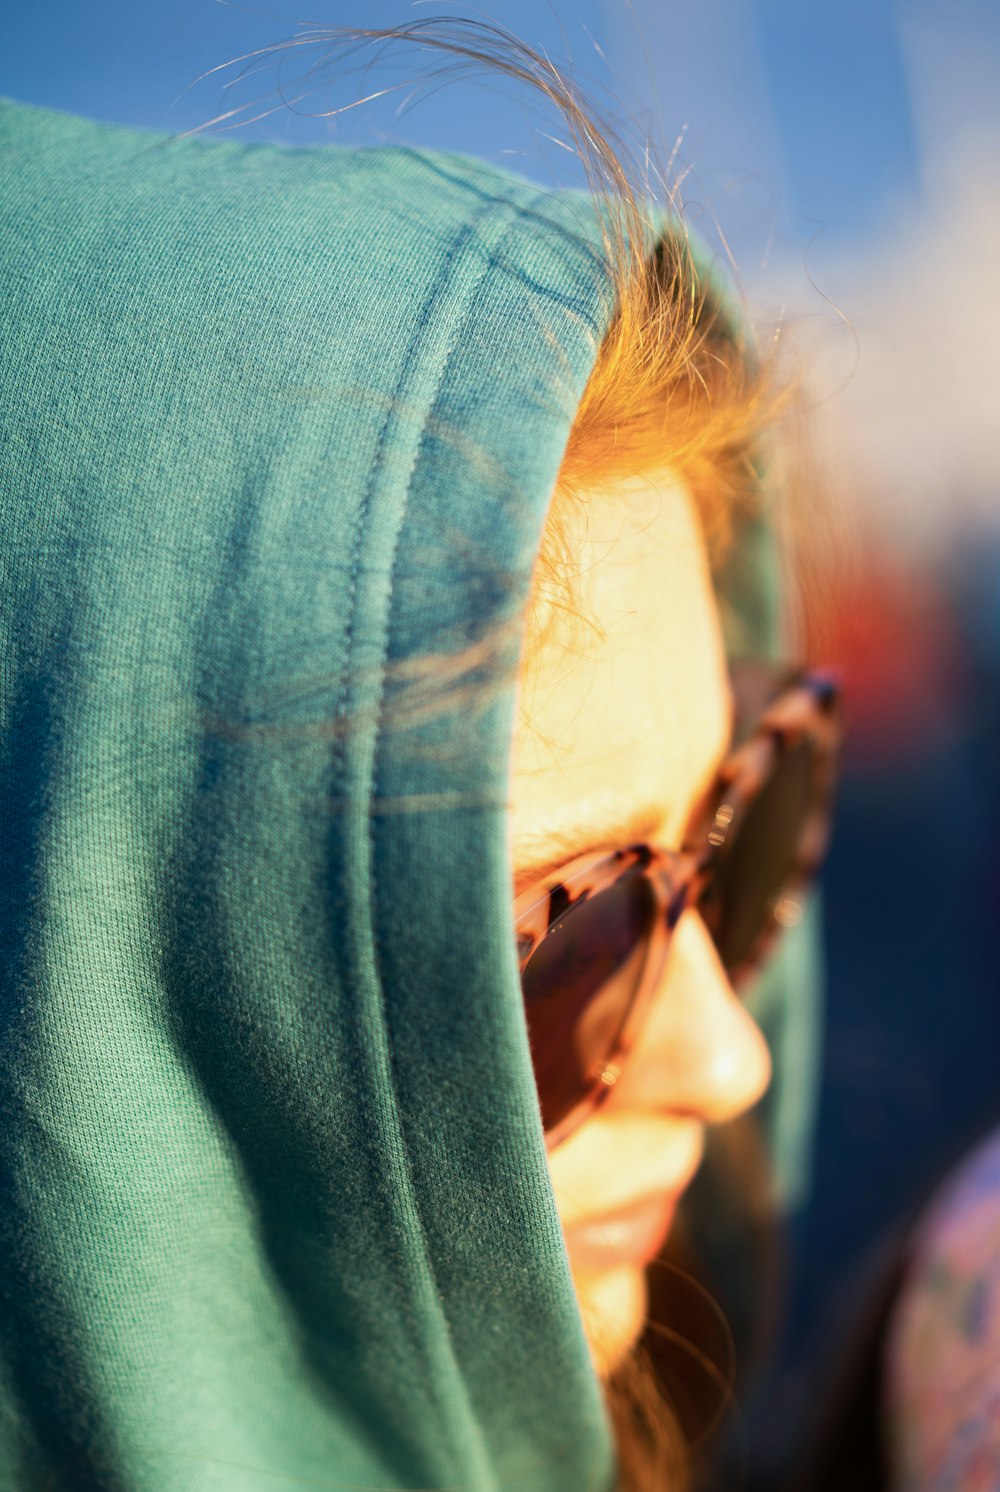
point(275, 425)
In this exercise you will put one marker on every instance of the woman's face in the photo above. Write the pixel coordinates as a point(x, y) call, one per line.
point(624, 715)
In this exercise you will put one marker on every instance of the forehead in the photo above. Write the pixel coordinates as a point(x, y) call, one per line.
point(623, 705)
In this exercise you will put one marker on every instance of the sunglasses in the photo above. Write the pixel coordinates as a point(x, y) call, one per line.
point(593, 937)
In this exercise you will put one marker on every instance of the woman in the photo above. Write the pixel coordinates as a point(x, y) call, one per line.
point(322, 716)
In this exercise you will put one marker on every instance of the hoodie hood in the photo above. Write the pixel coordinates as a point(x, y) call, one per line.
point(277, 424)
point(279, 427)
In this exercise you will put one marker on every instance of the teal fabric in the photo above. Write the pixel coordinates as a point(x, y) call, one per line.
point(787, 997)
point(275, 1202)
point(276, 425)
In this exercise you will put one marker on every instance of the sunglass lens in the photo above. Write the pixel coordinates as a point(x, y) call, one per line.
point(579, 987)
point(761, 857)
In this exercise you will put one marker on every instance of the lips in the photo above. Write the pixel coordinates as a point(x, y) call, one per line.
point(632, 1236)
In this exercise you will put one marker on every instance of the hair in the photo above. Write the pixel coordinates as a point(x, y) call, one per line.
point(678, 389)
point(652, 1452)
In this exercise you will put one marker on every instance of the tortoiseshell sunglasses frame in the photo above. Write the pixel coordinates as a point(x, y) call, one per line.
point(806, 706)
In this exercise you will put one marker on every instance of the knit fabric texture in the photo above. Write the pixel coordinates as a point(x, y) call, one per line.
point(278, 432)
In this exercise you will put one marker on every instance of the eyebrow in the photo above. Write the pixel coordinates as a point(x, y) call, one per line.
point(637, 827)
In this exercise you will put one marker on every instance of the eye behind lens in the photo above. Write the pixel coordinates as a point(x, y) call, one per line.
point(580, 987)
point(763, 855)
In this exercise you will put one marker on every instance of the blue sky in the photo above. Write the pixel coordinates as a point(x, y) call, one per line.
point(798, 118)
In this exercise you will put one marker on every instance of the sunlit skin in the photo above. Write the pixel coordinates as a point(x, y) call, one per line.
point(624, 708)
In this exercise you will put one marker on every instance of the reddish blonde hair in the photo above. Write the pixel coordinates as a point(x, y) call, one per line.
point(675, 390)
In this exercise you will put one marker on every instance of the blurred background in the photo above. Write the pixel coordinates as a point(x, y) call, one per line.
point(845, 160)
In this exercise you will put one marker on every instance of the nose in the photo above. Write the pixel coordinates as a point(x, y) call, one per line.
point(699, 1052)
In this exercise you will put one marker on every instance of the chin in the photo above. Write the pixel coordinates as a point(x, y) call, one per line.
point(613, 1304)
